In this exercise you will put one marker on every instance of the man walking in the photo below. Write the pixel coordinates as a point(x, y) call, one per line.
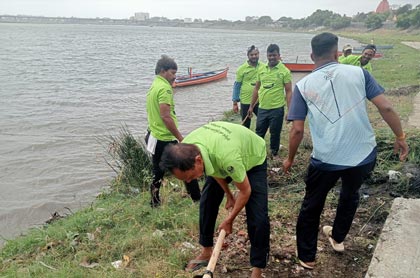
point(333, 97)
point(273, 90)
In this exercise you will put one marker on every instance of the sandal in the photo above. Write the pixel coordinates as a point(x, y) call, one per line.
point(197, 264)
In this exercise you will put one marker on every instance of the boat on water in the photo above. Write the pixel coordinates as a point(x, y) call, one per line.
point(199, 78)
point(304, 65)
point(300, 67)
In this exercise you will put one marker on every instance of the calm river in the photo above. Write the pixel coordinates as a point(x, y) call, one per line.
point(65, 86)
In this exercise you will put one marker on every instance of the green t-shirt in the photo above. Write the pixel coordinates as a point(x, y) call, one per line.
point(227, 149)
point(271, 93)
point(247, 76)
point(355, 61)
point(160, 93)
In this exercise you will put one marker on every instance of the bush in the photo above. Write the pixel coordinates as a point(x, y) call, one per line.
point(130, 160)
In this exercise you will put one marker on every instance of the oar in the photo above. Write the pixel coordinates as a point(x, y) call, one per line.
point(214, 256)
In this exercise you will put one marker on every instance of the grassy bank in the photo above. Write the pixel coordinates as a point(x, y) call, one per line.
point(120, 228)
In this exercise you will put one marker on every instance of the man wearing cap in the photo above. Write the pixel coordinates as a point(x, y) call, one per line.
point(246, 77)
point(273, 90)
point(362, 60)
point(347, 50)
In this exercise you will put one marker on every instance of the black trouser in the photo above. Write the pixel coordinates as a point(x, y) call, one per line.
point(273, 119)
point(318, 184)
point(244, 113)
point(192, 188)
point(256, 211)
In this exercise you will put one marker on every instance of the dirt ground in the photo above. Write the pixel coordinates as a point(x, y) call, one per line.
point(354, 262)
point(376, 196)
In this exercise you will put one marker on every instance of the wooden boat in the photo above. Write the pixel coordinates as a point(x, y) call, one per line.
point(304, 65)
point(199, 78)
point(300, 67)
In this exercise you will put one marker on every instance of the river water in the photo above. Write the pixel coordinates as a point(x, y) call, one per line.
point(64, 87)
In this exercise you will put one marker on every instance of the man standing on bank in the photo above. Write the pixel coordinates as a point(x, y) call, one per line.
point(334, 97)
point(226, 152)
point(361, 60)
point(163, 125)
point(273, 90)
point(246, 78)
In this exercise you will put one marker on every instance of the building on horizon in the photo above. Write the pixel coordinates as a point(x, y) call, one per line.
point(141, 16)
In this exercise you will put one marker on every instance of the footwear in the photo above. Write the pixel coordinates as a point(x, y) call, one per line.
point(197, 264)
point(338, 247)
point(307, 265)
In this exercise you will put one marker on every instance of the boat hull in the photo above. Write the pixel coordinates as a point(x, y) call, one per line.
point(200, 78)
point(300, 67)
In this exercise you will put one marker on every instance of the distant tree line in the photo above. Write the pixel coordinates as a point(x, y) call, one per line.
point(405, 17)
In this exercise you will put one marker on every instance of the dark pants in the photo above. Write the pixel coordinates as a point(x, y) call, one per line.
point(244, 113)
point(318, 184)
point(256, 211)
point(192, 188)
point(273, 119)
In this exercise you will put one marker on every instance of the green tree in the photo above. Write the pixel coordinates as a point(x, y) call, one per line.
point(264, 20)
point(404, 9)
point(374, 21)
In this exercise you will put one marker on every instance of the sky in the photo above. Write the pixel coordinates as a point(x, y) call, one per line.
point(209, 9)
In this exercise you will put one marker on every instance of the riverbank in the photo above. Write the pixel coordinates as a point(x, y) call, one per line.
point(122, 230)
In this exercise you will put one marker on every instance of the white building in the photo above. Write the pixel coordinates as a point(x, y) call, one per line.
point(141, 16)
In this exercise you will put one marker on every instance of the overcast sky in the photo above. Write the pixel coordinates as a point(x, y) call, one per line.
point(208, 9)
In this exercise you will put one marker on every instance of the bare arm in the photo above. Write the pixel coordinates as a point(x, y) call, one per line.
point(165, 114)
point(295, 137)
point(241, 200)
point(392, 119)
point(288, 90)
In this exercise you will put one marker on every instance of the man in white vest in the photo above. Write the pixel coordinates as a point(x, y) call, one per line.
point(333, 98)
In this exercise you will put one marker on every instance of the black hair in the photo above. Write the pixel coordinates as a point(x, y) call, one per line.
point(165, 63)
point(251, 48)
point(370, 46)
point(273, 48)
point(323, 44)
point(179, 156)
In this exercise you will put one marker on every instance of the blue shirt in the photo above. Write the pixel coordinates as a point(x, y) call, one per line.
point(333, 97)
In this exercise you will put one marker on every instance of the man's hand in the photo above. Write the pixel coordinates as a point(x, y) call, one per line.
point(230, 202)
point(287, 164)
point(227, 226)
point(235, 107)
point(401, 147)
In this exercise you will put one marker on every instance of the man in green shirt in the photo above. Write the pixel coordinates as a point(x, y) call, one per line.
point(361, 60)
point(273, 90)
point(163, 124)
point(246, 77)
point(347, 50)
point(226, 152)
